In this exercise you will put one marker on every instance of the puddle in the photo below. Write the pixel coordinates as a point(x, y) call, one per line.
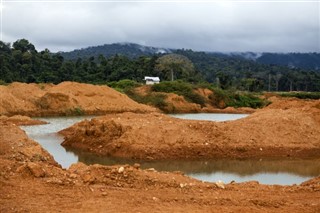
point(47, 136)
point(275, 171)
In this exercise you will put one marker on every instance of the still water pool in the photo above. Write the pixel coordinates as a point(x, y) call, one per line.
point(271, 171)
point(210, 116)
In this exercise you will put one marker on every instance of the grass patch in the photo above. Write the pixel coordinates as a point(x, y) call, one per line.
point(123, 85)
point(302, 95)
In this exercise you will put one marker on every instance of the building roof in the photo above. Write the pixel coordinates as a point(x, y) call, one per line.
point(151, 78)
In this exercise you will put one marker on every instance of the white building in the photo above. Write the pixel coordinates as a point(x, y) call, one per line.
point(152, 80)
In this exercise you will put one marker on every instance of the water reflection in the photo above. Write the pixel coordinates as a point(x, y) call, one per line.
point(303, 168)
point(210, 116)
point(275, 171)
point(263, 178)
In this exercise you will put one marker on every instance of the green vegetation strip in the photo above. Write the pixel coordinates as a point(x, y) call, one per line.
point(237, 99)
point(219, 98)
point(302, 95)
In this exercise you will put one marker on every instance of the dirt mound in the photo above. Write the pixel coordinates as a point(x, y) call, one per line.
point(16, 146)
point(289, 103)
point(269, 132)
point(20, 120)
point(313, 183)
point(292, 132)
point(310, 107)
point(31, 181)
point(18, 97)
point(67, 98)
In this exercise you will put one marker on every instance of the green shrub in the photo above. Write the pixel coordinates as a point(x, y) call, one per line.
point(180, 88)
point(236, 99)
point(75, 111)
point(246, 100)
point(172, 87)
point(123, 85)
point(194, 98)
point(206, 85)
point(2, 82)
point(157, 100)
point(302, 95)
point(218, 96)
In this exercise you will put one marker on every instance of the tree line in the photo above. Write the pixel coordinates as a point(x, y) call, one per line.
point(22, 62)
point(234, 72)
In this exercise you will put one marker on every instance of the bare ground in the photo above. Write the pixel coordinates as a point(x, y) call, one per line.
point(30, 181)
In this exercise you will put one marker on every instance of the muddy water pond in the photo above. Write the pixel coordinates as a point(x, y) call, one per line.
point(271, 171)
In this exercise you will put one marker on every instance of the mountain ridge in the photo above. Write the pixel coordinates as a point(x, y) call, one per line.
point(309, 61)
point(131, 50)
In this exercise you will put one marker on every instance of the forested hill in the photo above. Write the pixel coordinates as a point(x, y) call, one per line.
point(22, 62)
point(229, 70)
point(129, 50)
point(308, 61)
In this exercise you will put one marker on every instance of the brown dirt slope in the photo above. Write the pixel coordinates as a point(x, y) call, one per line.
point(64, 99)
point(178, 104)
point(31, 181)
point(269, 132)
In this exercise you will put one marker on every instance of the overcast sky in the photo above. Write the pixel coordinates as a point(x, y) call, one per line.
point(267, 26)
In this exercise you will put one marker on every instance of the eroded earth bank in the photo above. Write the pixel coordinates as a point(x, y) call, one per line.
point(66, 98)
point(31, 181)
point(286, 128)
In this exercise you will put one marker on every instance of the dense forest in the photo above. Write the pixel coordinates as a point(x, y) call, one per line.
point(250, 75)
point(309, 61)
point(302, 60)
point(129, 50)
point(22, 62)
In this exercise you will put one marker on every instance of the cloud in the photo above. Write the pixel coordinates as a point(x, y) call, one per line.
point(218, 26)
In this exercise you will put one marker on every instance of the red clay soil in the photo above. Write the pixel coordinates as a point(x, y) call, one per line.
point(271, 132)
point(20, 120)
point(31, 181)
point(67, 98)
